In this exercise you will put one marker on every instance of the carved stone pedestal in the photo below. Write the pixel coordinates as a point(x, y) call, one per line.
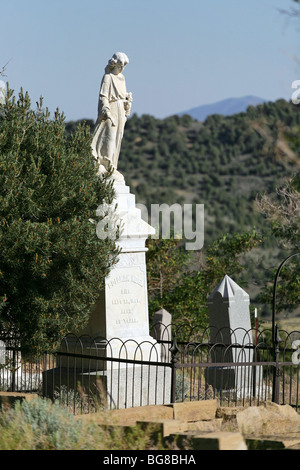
point(122, 308)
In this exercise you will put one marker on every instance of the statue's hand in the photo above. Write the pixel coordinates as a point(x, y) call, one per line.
point(127, 107)
point(108, 116)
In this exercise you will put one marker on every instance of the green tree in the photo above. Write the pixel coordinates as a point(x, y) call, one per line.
point(166, 262)
point(187, 301)
point(52, 263)
point(282, 211)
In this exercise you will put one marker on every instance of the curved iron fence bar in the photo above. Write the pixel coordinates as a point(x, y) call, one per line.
point(153, 350)
point(70, 338)
point(185, 329)
point(190, 329)
point(79, 344)
point(233, 335)
point(133, 372)
point(163, 336)
point(217, 333)
point(166, 328)
point(199, 345)
point(249, 334)
point(123, 347)
point(110, 344)
point(281, 333)
point(262, 333)
point(228, 351)
point(155, 370)
point(214, 332)
point(274, 292)
point(65, 340)
point(153, 347)
point(205, 332)
point(122, 350)
point(109, 348)
point(85, 342)
point(245, 349)
point(288, 336)
point(217, 345)
point(230, 332)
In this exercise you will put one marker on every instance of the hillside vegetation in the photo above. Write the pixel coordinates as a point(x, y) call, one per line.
point(224, 163)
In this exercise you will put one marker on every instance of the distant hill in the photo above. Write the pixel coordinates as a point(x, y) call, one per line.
point(226, 107)
point(223, 162)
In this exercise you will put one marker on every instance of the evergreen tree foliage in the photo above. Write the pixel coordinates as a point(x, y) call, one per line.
point(52, 264)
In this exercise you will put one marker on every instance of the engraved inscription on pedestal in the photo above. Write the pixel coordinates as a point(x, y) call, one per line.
point(126, 302)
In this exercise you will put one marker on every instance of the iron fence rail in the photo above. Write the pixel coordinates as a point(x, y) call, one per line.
point(87, 374)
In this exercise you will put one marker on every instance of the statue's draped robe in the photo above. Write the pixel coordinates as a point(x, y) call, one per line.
point(107, 138)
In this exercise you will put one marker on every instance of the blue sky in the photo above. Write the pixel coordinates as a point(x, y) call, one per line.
point(182, 53)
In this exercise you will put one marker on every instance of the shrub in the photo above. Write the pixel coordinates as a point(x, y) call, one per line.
point(52, 263)
point(39, 424)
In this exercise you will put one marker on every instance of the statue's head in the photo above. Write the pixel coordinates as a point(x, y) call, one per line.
point(118, 59)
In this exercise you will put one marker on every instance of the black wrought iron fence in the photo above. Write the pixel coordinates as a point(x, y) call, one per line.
point(179, 364)
point(247, 371)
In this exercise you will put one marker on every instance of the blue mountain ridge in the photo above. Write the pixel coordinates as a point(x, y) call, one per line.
point(225, 107)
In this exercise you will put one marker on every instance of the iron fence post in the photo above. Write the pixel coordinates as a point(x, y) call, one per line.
point(275, 335)
point(254, 372)
point(174, 351)
point(276, 373)
point(13, 376)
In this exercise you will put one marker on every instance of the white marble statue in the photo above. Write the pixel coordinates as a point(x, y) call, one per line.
point(113, 109)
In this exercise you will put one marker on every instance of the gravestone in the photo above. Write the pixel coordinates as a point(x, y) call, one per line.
point(162, 331)
point(229, 312)
point(230, 325)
